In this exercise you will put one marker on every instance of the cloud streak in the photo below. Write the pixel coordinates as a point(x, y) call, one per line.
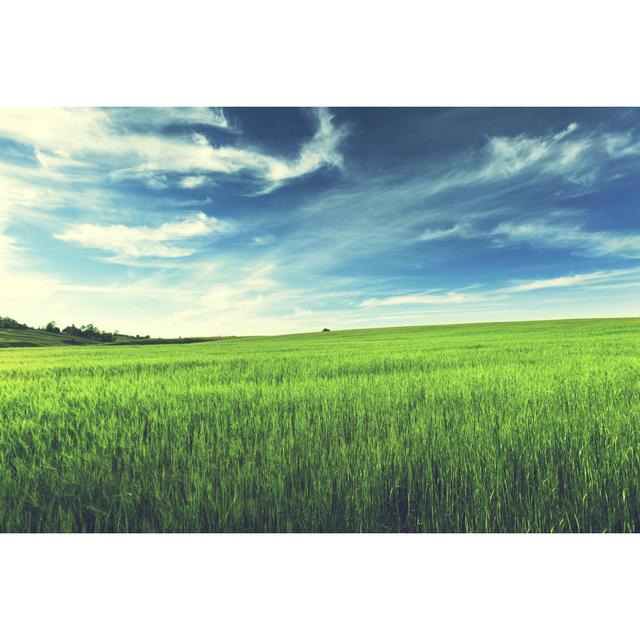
point(576, 238)
point(143, 241)
point(451, 297)
point(576, 280)
point(549, 232)
point(136, 145)
point(558, 153)
point(492, 294)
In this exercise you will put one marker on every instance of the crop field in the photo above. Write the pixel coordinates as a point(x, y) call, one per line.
point(516, 427)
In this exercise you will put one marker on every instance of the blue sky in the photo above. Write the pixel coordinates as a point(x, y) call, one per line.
point(261, 221)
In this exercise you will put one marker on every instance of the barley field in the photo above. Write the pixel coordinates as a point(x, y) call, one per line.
point(517, 427)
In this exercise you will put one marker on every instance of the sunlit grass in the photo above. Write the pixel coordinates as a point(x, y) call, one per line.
point(496, 427)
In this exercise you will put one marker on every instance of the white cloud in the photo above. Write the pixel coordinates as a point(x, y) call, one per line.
point(578, 158)
point(75, 131)
point(597, 278)
point(555, 230)
point(621, 145)
point(143, 241)
point(321, 150)
point(264, 239)
point(60, 132)
point(554, 153)
point(578, 279)
point(593, 243)
point(157, 118)
point(115, 140)
point(451, 297)
point(461, 230)
point(191, 182)
point(437, 234)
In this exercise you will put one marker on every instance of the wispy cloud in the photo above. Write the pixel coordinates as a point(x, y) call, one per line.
point(73, 133)
point(131, 117)
point(264, 239)
point(554, 230)
point(492, 294)
point(451, 297)
point(192, 182)
point(576, 157)
point(321, 150)
point(553, 153)
point(135, 144)
point(621, 145)
point(461, 230)
point(579, 279)
point(574, 237)
point(143, 241)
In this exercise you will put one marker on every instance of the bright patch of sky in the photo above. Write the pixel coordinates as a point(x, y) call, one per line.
point(212, 221)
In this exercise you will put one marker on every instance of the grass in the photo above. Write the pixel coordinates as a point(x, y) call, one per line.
point(36, 338)
point(489, 427)
point(122, 340)
point(39, 338)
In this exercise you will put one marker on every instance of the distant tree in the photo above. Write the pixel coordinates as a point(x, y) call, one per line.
point(325, 329)
point(10, 323)
point(90, 331)
point(52, 327)
point(72, 330)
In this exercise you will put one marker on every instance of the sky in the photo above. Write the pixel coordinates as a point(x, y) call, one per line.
point(245, 221)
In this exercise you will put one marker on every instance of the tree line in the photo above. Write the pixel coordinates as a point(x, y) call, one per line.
point(10, 323)
point(89, 331)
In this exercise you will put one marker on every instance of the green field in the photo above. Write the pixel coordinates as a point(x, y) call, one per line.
point(36, 338)
point(489, 427)
point(39, 338)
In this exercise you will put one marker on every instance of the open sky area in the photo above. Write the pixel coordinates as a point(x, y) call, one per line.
point(237, 221)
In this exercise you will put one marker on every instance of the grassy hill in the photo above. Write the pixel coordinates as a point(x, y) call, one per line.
point(36, 338)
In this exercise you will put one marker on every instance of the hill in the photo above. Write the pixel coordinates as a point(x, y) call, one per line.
point(37, 338)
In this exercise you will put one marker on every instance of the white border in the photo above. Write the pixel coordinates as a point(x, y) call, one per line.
point(335, 52)
point(318, 586)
